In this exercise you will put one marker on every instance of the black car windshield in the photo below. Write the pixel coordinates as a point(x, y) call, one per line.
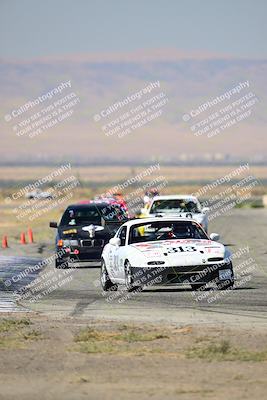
point(175, 205)
point(92, 214)
point(162, 230)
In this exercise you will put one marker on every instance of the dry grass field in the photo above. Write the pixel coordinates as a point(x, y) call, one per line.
point(104, 360)
point(177, 174)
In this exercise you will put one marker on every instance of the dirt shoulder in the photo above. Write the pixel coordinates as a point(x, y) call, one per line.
point(70, 358)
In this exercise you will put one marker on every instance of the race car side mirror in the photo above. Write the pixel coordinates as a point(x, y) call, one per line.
point(215, 237)
point(115, 241)
point(205, 210)
point(53, 224)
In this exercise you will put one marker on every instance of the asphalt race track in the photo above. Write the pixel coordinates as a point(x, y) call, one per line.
point(243, 230)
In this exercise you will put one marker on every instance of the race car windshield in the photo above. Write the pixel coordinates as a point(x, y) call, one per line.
point(151, 232)
point(175, 205)
point(92, 214)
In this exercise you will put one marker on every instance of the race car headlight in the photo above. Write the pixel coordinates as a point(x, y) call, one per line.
point(155, 262)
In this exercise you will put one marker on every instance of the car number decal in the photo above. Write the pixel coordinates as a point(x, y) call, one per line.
point(181, 249)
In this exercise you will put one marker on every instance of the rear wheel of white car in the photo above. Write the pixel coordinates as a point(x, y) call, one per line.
point(129, 279)
point(106, 283)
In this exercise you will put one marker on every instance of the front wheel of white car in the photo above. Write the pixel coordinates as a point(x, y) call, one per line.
point(198, 286)
point(228, 282)
point(225, 285)
point(130, 286)
point(105, 281)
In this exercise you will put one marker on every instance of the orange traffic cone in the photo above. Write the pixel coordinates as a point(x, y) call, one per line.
point(30, 235)
point(22, 238)
point(4, 242)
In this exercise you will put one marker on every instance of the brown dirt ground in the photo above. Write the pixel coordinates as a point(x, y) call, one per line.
point(76, 359)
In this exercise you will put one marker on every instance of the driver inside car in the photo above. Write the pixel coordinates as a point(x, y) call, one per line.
point(174, 232)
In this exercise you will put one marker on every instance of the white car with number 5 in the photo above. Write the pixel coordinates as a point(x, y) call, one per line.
point(160, 250)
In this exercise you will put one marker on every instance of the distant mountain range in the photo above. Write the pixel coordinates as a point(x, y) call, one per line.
point(102, 80)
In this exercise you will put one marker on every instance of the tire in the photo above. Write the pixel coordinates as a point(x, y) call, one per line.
point(105, 281)
point(129, 278)
point(198, 286)
point(228, 285)
point(61, 264)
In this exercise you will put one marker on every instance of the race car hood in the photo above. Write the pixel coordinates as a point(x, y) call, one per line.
point(199, 217)
point(177, 252)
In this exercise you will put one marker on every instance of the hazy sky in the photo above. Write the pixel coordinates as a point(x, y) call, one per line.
point(30, 28)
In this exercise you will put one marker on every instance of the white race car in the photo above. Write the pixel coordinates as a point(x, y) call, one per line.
point(38, 195)
point(146, 252)
point(179, 205)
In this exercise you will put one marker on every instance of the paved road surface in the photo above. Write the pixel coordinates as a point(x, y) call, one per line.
point(81, 296)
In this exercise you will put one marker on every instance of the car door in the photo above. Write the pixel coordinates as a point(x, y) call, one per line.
point(116, 255)
point(119, 253)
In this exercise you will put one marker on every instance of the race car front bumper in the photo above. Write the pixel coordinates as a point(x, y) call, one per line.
point(193, 275)
point(80, 254)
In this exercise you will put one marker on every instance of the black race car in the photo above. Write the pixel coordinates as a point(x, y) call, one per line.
point(84, 230)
